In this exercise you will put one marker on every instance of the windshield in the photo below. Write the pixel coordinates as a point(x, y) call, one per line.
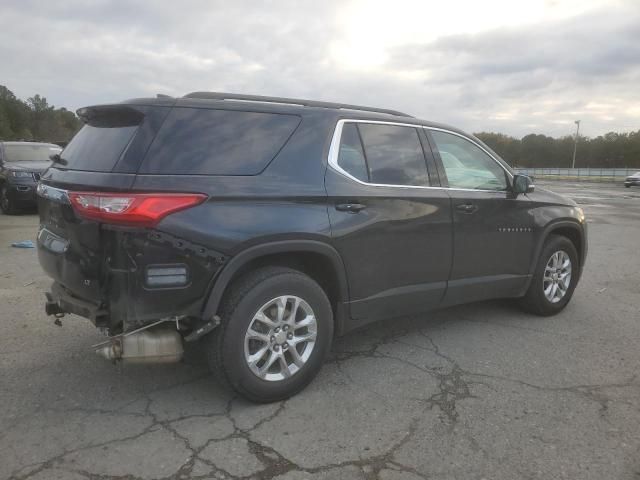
point(27, 152)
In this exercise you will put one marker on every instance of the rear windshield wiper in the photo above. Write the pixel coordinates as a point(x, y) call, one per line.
point(56, 158)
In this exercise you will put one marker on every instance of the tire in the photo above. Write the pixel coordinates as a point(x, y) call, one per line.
point(535, 300)
point(228, 346)
point(6, 204)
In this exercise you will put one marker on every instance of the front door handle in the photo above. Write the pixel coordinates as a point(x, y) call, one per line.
point(350, 207)
point(467, 208)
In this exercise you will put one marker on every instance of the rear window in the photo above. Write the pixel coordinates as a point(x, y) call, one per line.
point(196, 141)
point(98, 146)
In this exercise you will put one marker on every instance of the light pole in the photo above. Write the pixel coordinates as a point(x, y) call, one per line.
point(575, 145)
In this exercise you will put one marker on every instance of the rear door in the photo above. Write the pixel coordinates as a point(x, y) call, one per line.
point(391, 228)
point(492, 228)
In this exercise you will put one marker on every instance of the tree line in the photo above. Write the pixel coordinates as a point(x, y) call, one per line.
point(611, 150)
point(35, 120)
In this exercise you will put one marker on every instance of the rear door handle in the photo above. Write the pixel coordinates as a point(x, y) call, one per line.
point(350, 207)
point(467, 208)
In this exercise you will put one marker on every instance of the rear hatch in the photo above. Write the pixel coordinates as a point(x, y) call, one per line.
point(103, 156)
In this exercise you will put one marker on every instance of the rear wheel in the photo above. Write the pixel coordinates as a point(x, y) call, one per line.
point(7, 205)
point(554, 279)
point(277, 328)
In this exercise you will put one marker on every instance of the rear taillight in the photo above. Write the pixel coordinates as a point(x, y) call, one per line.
point(136, 209)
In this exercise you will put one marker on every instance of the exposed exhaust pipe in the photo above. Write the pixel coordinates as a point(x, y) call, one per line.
point(159, 344)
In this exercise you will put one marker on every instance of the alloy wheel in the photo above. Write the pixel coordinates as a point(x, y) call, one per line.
point(557, 276)
point(280, 338)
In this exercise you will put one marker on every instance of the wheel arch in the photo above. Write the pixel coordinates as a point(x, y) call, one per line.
point(317, 259)
point(572, 230)
point(574, 234)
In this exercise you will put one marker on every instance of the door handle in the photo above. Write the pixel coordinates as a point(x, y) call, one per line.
point(467, 208)
point(350, 207)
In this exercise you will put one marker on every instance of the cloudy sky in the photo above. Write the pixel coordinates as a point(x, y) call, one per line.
point(513, 66)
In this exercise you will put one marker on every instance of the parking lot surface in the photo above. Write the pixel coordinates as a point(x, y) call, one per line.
point(482, 391)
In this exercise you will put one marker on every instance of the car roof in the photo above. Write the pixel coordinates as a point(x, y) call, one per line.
point(292, 106)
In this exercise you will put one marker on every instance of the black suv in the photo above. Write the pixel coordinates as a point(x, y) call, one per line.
point(21, 164)
point(267, 225)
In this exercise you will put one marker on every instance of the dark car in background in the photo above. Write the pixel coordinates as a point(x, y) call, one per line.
point(632, 180)
point(21, 164)
point(264, 226)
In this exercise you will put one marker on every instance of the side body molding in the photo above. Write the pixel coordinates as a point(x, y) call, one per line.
point(285, 246)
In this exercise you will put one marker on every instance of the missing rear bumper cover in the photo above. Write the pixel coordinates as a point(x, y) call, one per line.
point(60, 302)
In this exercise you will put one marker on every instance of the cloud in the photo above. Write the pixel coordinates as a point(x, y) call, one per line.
point(509, 77)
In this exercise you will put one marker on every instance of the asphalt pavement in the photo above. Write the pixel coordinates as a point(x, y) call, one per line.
point(482, 391)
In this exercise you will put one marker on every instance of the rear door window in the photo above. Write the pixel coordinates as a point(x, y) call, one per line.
point(394, 154)
point(98, 146)
point(195, 141)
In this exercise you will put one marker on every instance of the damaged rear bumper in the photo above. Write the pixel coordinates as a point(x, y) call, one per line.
point(60, 302)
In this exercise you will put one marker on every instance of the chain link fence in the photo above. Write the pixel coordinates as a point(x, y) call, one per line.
point(579, 174)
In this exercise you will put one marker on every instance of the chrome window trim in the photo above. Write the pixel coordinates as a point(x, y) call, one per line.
point(334, 151)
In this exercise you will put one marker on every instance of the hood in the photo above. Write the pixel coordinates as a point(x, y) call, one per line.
point(28, 166)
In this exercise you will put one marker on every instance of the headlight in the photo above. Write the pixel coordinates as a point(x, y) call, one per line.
point(20, 174)
point(580, 214)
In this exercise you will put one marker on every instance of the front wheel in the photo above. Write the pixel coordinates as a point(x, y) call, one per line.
point(7, 205)
point(554, 279)
point(276, 330)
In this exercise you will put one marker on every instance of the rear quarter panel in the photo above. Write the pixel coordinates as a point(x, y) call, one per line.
point(286, 201)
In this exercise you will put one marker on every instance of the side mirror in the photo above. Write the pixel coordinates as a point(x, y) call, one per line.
point(522, 184)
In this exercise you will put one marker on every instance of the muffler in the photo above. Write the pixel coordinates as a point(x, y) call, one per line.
point(159, 344)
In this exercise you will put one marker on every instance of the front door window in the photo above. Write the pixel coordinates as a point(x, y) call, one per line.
point(468, 166)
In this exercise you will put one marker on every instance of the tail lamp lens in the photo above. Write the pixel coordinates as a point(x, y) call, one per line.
point(135, 209)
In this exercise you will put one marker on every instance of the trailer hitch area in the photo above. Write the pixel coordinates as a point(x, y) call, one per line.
point(52, 308)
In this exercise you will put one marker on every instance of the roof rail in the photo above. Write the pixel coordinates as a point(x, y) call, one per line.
point(289, 101)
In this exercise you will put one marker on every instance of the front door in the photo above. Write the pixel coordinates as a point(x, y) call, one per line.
point(492, 228)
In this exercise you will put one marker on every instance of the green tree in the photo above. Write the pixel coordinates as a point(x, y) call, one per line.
point(611, 150)
point(34, 119)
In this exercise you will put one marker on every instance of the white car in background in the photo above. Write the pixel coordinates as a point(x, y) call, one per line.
point(632, 180)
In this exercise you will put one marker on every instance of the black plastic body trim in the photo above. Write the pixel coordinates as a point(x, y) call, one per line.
point(549, 229)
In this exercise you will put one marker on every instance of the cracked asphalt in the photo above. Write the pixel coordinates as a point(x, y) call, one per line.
point(482, 391)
